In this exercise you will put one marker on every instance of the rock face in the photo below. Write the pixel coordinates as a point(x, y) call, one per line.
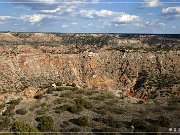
point(25, 65)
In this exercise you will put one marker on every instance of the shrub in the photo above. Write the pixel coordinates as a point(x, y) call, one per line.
point(45, 123)
point(163, 121)
point(76, 108)
point(82, 121)
point(139, 125)
point(74, 129)
point(73, 85)
point(21, 111)
point(9, 110)
point(84, 103)
point(50, 90)
point(23, 127)
point(4, 123)
point(61, 109)
point(59, 83)
point(58, 101)
point(40, 96)
point(164, 80)
point(42, 111)
point(140, 102)
point(15, 102)
point(152, 128)
point(67, 84)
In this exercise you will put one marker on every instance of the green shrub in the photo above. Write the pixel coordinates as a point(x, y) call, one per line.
point(164, 121)
point(4, 123)
point(15, 102)
point(82, 121)
point(50, 90)
point(59, 83)
point(42, 111)
point(75, 108)
point(21, 111)
point(9, 110)
point(139, 125)
point(45, 123)
point(164, 80)
point(140, 102)
point(84, 103)
point(63, 108)
point(23, 127)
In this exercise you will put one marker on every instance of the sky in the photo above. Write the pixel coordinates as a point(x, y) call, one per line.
point(91, 16)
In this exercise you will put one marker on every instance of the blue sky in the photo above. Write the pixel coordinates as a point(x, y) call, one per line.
point(91, 16)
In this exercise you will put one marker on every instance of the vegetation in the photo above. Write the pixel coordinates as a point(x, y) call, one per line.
point(9, 110)
point(15, 101)
point(40, 96)
point(23, 127)
point(21, 111)
point(83, 102)
point(45, 123)
point(82, 121)
point(4, 123)
point(163, 121)
point(164, 80)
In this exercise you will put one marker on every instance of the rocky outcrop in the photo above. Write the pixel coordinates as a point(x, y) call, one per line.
point(27, 66)
point(23, 66)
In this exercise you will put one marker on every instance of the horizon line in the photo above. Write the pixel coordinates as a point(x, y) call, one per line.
point(103, 2)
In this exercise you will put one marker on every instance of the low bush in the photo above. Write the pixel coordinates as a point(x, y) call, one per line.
point(9, 110)
point(21, 111)
point(75, 108)
point(4, 123)
point(152, 128)
point(24, 127)
point(42, 111)
point(15, 102)
point(139, 125)
point(50, 90)
point(59, 83)
point(45, 123)
point(40, 96)
point(82, 121)
point(58, 101)
point(140, 102)
point(63, 108)
point(163, 121)
point(73, 85)
point(74, 129)
point(84, 103)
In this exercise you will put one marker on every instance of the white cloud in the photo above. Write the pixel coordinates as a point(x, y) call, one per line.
point(4, 18)
point(154, 23)
point(126, 18)
point(151, 3)
point(74, 23)
point(35, 18)
point(64, 26)
point(95, 13)
point(171, 12)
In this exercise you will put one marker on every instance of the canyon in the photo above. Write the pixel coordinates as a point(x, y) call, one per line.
point(137, 72)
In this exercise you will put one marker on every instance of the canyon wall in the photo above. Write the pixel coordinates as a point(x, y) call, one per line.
point(106, 69)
